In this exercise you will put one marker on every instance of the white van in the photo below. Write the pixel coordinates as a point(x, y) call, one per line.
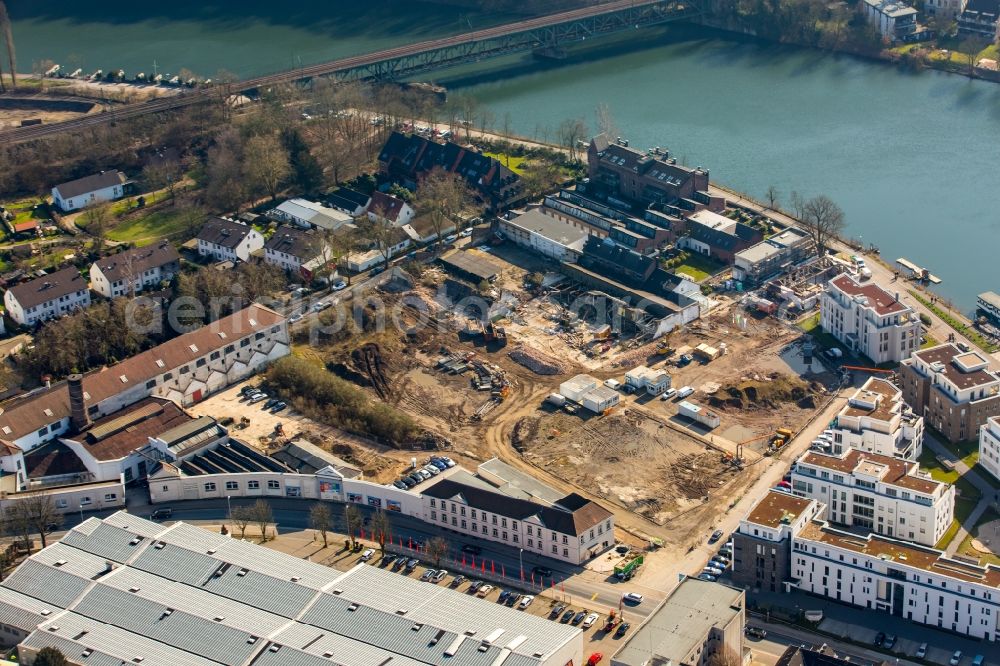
point(684, 392)
point(613, 384)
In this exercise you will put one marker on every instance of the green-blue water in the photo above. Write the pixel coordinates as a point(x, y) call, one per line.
point(914, 159)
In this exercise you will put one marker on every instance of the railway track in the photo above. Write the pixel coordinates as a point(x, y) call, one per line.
point(196, 96)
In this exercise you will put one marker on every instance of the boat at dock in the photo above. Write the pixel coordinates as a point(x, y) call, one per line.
point(915, 272)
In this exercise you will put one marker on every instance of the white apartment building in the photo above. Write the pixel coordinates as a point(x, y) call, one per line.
point(572, 529)
point(135, 270)
point(875, 419)
point(947, 8)
point(877, 493)
point(89, 191)
point(887, 575)
point(226, 240)
point(184, 370)
point(869, 320)
point(893, 18)
point(47, 297)
point(549, 236)
point(989, 446)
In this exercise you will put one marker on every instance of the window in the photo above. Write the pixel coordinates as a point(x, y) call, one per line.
point(555, 549)
point(433, 503)
point(61, 504)
point(151, 384)
point(85, 501)
point(565, 552)
point(273, 485)
point(434, 515)
point(232, 485)
point(253, 485)
point(200, 362)
point(209, 487)
point(110, 497)
point(244, 342)
point(214, 356)
point(168, 376)
point(230, 349)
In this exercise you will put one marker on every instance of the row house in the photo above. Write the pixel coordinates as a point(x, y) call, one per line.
point(717, 236)
point(135, 270)
point(183, 370)
point(955, 391)
point(297, 251)
point(573, 529)
point(869, 320)
point(389, 208)
point(877, 420)
point(876, 493)
point(47, 297)
point(227, 240)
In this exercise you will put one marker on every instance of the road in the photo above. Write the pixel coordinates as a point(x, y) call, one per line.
point(779, 637)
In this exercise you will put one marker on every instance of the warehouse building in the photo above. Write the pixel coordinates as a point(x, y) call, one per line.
point(124, 590)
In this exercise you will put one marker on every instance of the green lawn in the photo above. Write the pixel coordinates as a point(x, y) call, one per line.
point(699, 267)
point(957, 324)
point(963, 508)
point(965, 488)
point(811, 326)
point(159, 224)
point(965, 548)
point(516, 163)
point(129, 203)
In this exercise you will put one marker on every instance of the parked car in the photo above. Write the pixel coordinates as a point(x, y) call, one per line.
point(879, 639)
point(445, 459)
point(633, 598)
point(712, 571)
point(279, 406)
point(399, 484)
point(295, 318)
point(567, 616)
point(977, 660)
point(921, 651)
point(484, 590)
point(257, 397)
point(525, 601)
point(465, 233)
point(589, 621)
point(503, 596)
point(457, 580)
point(339, 285)
point(439, 575)
point(434, 471)
point(399, 563)
point(423, 474)
point(622, 629)
point(161, 514)
point(544, 572)
point(472, 550)
point(321, 305)
point(755, 633)
point(440, 464)
point(512, 599)
point(412, 564)
point(367, 555)
point(415, 479)
point(578, 618)
point(475, 585)
point(557, 610)
point(668, 394)
point(407, 482)
point(955, 658)
point(890, 640)
point(427, 575)
point(707, 577)
point(450, 238)
point(726, 551)
point(716, 535)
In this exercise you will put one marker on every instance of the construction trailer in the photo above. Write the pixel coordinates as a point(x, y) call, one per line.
point(707, 352)
point(699, 414)
point(652, 381)
point(576, 387)
point(600, 399)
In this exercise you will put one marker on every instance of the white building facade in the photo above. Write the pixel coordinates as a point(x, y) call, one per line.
point(869, 320)
point(989, 446)
point(877, 493)
point(644, 378)
point(226, 240)
point(89, 191)
point(135, 270)
point(47, 297)
point(877, 420)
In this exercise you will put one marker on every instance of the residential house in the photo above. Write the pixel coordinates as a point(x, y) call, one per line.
point(306, 214)
point(135, 270)
point(869, 320)
point(643, 378)
point(572, 529)
point(397, 243)
point(184, 370)
point(762, 544)
point(949, 9)
point(767, 259)
point(716, 236)
point(409, 157)
point(47, 297)
point(893, 18)
point(389, 208)
point(226, 240)
point(989, 446)
point(955, 391)
point(981, 18)
point(549, 236)
point(89, 191)
point(349, 201)
point(644, 178)
point(876, 419)
point(699, 623)
point(298, 251)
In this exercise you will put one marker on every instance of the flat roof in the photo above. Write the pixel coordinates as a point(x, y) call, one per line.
point(551, 228)
point(883, 394)
point(473, 264)
point(681, 623)
point(514, 478)
point(777, 508)
point(990, 298)
point(178, 594)
point(950, 357)
point(896, 472)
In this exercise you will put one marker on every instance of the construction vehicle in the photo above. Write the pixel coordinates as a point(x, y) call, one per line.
point(628, 566)
point(494, 333)
point(664, 349)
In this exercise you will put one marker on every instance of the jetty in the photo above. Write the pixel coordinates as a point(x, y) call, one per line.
point(915, 272)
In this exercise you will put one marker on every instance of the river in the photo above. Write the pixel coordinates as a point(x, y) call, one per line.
point(913, 159)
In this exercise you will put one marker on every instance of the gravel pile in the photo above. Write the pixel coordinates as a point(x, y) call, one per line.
point(536, 361)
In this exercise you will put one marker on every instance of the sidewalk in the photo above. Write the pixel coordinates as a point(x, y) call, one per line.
point(989, 494)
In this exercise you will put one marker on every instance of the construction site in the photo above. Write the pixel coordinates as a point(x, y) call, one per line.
point(481, 384)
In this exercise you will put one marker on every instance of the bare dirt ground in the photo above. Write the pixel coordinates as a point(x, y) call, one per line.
point(13, 117)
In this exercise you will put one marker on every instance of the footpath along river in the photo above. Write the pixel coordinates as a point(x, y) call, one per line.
point(914, 159)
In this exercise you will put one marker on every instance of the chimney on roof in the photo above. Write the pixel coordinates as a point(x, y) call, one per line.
point(77, 403)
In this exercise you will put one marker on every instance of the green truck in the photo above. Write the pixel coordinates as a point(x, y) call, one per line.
point(628, 566)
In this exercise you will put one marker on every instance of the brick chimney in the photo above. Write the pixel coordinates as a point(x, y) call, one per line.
point(77, 404)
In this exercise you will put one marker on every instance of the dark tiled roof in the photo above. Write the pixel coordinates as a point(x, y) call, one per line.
point(386, 206)
point(597, 252)
point(98, 181)
point(49, 287)
point(224, 232)
point(119, 434)
point(302, 244)
point(585, 515)
point(53, 459)
point(742, 235)
point(348, 199)
point(137, 260)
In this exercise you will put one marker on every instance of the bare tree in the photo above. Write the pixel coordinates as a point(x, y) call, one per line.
point(96, 220)
point(262, 516)
point(823, 219)
point(319, 520)
point(971, 47)
point(381, 528)
point(725, 657)
point(352, 520)
point(8, 35)
point(36, 514)
point(241, 517)
point(266, 164)
point(8, 555)
point(442, 196)
point(571, 132)
point(772, 195)
point(225, 189)
point(606, 122)
point(467, 108)
point(382, 233)
point(436, 548)
point(50, 656)
point(541, 177)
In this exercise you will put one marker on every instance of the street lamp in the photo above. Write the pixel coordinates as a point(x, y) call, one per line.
point(520, 559)
point(229, 507)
